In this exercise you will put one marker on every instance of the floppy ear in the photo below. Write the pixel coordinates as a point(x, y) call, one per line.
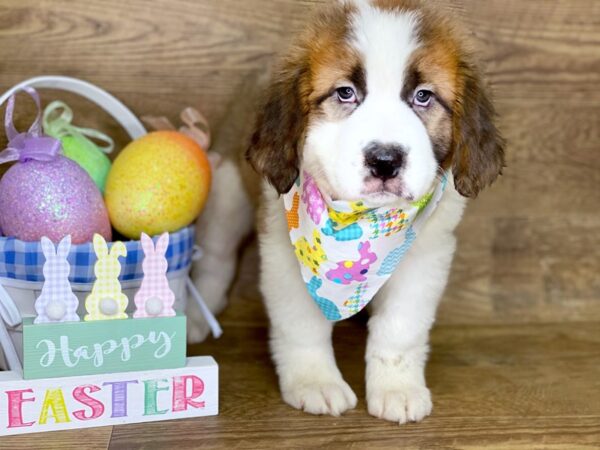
point(63, 247)
point(274, 150)
point(47, 248)
point(100, 246)
point(478, 148)
point(118, 249)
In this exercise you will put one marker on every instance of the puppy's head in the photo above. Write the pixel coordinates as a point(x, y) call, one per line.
point(374, 99)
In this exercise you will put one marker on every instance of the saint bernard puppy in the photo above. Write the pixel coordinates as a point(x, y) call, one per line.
point(377, 101)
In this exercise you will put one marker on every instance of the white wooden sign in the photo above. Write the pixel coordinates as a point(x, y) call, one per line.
point(30, 406)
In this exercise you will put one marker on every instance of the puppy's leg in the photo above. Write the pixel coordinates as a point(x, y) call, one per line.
point(402, 315)
point(300, 335)
point(226, 220)
point(228, 216)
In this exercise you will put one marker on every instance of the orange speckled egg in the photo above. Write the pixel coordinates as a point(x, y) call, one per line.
point(158, 183)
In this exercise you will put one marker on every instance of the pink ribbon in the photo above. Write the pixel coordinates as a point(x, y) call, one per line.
point(29, 145)
point(196, 126)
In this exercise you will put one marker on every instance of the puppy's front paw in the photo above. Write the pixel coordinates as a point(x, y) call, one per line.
point(314, 396)
point(402, 403)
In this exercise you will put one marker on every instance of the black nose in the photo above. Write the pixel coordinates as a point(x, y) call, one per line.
point(384, 160)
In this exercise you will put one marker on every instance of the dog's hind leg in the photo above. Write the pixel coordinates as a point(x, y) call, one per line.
point(229, 213)
point(227, 219)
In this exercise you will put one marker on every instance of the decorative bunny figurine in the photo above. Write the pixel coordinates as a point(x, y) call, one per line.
point(154, 298)
point(106, 300)
point(56, 303)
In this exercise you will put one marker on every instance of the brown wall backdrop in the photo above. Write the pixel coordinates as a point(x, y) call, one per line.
point(529, 248)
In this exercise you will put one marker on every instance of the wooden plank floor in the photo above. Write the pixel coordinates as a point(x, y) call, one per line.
point(515, 361)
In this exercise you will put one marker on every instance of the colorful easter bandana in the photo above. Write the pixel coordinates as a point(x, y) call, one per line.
point(348, 250)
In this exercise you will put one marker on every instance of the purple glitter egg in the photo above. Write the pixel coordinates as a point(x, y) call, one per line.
point(51, 199)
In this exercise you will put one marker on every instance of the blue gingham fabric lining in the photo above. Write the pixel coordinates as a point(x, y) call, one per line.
point(23, 261)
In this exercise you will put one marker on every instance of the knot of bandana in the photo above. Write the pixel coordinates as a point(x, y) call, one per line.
point(348, 250)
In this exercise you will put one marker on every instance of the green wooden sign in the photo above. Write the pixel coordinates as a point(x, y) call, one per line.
point(104, 346)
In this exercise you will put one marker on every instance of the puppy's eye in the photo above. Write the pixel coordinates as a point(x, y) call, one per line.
point(423, 98)
point(346, 94)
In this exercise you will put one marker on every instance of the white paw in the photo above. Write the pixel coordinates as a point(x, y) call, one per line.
point(407, 403)
point(332, 397)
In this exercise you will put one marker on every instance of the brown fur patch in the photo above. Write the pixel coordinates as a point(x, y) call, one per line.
point(435, 64)
point(439, 57)
point(478, 147)
point(465, 138)
point(318, 59)
point(398, 5)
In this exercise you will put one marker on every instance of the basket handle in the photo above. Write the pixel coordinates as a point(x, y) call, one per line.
point(99, 96)
point(9, 315)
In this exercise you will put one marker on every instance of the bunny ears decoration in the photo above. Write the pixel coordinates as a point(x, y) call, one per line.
point(155, 298)
point(56, 303)
point(101, 248)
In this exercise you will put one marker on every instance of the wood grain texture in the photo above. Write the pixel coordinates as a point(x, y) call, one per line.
point(515, 359)
point(90, 439)
point(516, 387)
point(543, 61)
point(499, 386)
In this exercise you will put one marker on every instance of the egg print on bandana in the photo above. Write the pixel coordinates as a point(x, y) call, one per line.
point(347, 250)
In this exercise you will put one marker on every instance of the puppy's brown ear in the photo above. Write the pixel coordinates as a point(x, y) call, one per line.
point(274, 150)
point(478, 148)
